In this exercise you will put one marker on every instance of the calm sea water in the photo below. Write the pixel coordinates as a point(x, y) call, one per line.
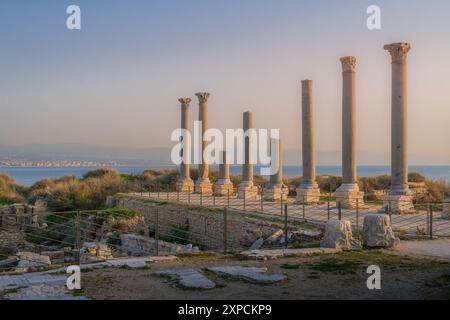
point(29, 175)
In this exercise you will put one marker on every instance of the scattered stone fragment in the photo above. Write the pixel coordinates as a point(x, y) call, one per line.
point(377, 232)
point(280, 253)
point(257, 244)
point(250, 274)
point(275, 237)
point(188, 278)
point(31, 260)
point(338, 234)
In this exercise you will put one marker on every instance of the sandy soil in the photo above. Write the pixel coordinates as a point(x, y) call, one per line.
point(341, 276)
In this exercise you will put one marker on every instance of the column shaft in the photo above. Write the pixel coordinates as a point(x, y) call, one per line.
point(308, 148)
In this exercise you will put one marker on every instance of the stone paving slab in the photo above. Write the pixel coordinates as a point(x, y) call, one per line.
point(188, 278)
point(44, 292)
point(280, 253)
point(249, 274)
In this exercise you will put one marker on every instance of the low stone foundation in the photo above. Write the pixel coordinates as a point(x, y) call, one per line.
point(308, 195)
point(399, 204)
point(446, 209)
point(247, 192)
point(276, 194)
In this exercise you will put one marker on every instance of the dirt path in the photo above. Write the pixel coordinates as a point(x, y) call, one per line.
point(341, 276)
point(439, 249)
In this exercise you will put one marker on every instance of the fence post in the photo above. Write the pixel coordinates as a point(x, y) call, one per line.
point(178, 195)
point(285, 226)
point(339, 211)
point(78, 237)
point(303, 208)
point(244, 204)
point(225, 231)
point(357, 214)
point(214, 199)
point(167, 195)
point(328, 208)
point(189, 195)
point(158, 189)
point(157, 232)
point(281, 207)
point(201, 197)
point(228, 197)
point(390, 210)
point(262, 199)
point(431, 222)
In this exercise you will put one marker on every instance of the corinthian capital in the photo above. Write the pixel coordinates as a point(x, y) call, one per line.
point(202, 96)
point(348, 64)
point(185, 101)
point(398, 51)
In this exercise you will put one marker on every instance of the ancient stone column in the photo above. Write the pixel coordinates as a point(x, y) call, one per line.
point(348, 194)
point(246, 188)
point(224, 186)
point(308, 192)
point(185, 183)
point(276, 190)
point(399, 199)
point(203, 185)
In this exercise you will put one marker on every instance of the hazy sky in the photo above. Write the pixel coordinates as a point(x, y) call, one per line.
point(116, 82)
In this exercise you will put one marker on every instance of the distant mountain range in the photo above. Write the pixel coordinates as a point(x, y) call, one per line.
point(161, 156)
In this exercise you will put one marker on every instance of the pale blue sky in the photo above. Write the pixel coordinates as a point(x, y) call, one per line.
point(116, 82)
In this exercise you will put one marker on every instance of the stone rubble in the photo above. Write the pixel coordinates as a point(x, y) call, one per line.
point(188, 278)
point(377, 232)
point(249, 274)
point(338, 234)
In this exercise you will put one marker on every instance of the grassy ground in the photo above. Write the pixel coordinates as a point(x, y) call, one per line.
point(340, 276)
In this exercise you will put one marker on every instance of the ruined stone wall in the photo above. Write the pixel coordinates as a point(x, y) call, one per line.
point(11, 240)
point(202, 228)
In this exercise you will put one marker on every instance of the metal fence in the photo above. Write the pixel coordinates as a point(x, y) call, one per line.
point(414, 219)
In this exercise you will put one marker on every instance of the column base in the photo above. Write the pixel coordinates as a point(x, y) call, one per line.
point(247, 190)
point(308, 195)
point(446, 209)
point(186, 185)
point(223, 188)
point(276, 193)
point(204, 187)
point(349, 196)
point(399, 204)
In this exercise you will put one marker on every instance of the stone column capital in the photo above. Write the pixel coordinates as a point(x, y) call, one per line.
point(348, 64)
point(202, 96)
point(185, 101)
point(398, 51)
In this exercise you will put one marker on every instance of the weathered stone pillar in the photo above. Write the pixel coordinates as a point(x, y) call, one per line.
point(399, 198)
point(246, 188)
point(308, 192)
point(203, 185)
point(224, 186)
point(348, 194)
point(276, 190)
point(185, 183)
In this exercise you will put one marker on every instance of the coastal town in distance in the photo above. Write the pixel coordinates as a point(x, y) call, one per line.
point(224, 159)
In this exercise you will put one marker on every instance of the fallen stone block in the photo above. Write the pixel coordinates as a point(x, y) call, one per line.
point(250, 274)
point(257, 244)
point(377, 232)
point(338, 234)
point(188, 278)
point(280, 253)
point(31, 260)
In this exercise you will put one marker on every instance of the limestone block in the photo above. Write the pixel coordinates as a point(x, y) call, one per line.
point(276, 194)
point(399, 204)
point(204, 188)
point(186, 185)
point(377, 232)
point(308, 195)
point(338, 235)
point(223, 190)
point(248, 192)
point(30, 260)
point(350, 199)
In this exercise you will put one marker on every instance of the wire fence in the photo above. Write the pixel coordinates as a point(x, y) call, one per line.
point(409, 217)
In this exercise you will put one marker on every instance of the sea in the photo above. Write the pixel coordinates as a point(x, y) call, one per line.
point(28, 175)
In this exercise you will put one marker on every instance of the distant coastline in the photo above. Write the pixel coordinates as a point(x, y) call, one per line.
point(29, 175)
